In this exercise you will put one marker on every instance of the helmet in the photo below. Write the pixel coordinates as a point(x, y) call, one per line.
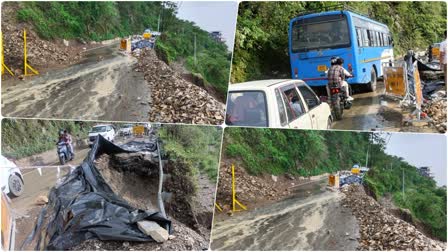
point(339, 61)
point(61, 132)
point(333, 60)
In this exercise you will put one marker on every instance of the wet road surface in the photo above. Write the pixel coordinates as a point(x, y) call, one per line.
point(364, 114)
point(312, 219)
point(103, 86)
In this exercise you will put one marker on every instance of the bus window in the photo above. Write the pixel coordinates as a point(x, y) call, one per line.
point(378, 40)
point(365, 38)
point(359, 36)
point(320, 32)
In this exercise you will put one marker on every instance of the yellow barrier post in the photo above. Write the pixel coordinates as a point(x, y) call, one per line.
point(234, 200)
point(25, 62)
point(2, 57)
point(217, 206)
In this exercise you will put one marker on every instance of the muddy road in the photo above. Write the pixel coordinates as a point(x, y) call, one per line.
point(311, 219)
point(103, 86)
point(365, 114)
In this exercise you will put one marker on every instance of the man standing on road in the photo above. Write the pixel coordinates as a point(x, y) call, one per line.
point(443, 57)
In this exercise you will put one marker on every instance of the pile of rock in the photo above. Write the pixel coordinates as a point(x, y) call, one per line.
point(248, 188)
point(379, 229)
point(436, 109)
point(40, 53)
point(174, 99)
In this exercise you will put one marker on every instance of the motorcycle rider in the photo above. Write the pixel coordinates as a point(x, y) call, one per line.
point(66, 138)
point(69, 142)
point(336, 76)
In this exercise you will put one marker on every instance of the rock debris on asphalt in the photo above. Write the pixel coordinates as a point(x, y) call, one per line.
point(174, 99)
point(380, 230)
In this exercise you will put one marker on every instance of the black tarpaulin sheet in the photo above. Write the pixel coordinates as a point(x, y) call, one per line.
point(430, 66)
point(83, 207)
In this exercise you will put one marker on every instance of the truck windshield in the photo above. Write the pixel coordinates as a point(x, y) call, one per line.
point(98, 129)
point(324, 32)
point(247, 108)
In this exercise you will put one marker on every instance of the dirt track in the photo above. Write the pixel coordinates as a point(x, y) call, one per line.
point(103, 86)
point(312, 219)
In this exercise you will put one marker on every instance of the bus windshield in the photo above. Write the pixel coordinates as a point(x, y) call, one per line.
point(324, 32)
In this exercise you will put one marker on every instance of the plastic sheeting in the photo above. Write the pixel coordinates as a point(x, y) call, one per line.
point(84, 207)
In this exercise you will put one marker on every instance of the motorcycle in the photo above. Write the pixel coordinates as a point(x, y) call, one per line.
point(338, 102)
point(63, 152)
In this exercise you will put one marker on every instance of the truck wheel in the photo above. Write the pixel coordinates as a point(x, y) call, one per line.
point(16, 186)
point(371, 87)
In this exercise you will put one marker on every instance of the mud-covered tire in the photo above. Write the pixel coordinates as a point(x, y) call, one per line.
point(16, 186)
point(337, 109)
point(62, 160)
point(371, 87)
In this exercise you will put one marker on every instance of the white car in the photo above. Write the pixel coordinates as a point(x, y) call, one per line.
point(11, 178)
point(106, 130)
point(276, 104)
point(126, 130)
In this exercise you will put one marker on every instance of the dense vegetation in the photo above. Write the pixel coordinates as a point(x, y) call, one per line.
point(107, 20)
point(261, 42)
point(306, 153)
point(198, 145)
point(22, 138)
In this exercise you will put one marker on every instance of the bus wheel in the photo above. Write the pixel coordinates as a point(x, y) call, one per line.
point(371, 87)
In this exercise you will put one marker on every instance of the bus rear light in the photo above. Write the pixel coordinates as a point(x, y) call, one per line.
point(296, 72)
point(350, 68)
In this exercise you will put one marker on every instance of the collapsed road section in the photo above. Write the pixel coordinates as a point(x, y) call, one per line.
point(115, 200)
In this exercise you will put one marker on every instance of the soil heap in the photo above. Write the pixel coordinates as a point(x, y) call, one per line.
point(436, 109)
point(380, 230)
point(41, 53)
point(175, 99)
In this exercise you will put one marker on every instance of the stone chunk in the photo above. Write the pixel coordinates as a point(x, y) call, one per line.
point(154, 230)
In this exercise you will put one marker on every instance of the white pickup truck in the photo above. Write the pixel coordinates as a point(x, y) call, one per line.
point(276, 104)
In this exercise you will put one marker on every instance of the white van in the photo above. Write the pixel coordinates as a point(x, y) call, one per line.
point(276, 104)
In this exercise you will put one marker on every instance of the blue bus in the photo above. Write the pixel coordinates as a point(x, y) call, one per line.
point(363, 43)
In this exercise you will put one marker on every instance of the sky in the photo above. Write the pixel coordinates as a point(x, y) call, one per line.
point(422, 150)
point(211, 16)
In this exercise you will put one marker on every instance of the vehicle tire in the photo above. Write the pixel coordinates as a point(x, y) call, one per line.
point(337, 109)
point(371, 87)
point(62, 160)
point(329, 123)
point(15, 184)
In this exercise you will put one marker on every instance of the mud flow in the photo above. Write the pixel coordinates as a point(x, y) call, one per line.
point(132, 176)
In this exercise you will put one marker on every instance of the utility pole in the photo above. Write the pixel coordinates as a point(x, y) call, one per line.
point(402, 183)
point(158, 23)
point(195, 49)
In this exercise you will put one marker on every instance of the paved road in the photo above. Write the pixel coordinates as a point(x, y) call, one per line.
point(312, 219)
point(103, 86)
point(37, 184)
point(363, 115)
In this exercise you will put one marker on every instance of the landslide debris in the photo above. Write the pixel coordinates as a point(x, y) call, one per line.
point(132, 176)
point(183, 238)
point(253, 189)
point(381, 230)
point(173, 98)
point(436, 109)
point(41, 53)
